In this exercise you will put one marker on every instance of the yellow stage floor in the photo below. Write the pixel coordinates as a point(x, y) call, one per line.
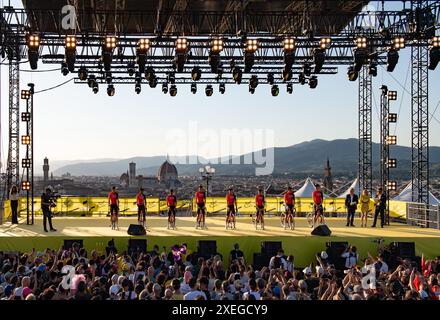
point(95, 232)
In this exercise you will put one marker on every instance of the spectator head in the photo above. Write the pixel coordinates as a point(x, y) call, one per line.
point(252, 284)
point(192, 283)
point(236, 246)
point(157, 290)
point(324, 255)
point(307, 271)
point(175, 284)
point(31, 296)
point(302, 285)
point(144, 295)
point(168, 294)
point(204, 282)
point(280, 252)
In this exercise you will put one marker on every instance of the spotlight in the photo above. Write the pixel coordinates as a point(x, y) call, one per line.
point(26, 163)
point(164, 88)
point(361, 42)
point(313, 82)
point(289, 44)
point(214, 54)
point(302, 79)
point(249, 55)
point(252, 45)
point(392, 163)
point(70, 52)
point(91, 81)
point(26, 186)
point(82, 74)
point(173, 90)
point(131, 69)
point(251, 90)
point(70, 43)
point(287, 74)
point(138, 78)
point(143, 45)
point(181, 51)
point(108, 77)
point(318, 59)
point(352, 73)
point(372, 68)
point(171, 77)
point(110, 90)
point(153, 82)
point(360, 58)
point(181, 45)
point(26, 140)
point(253, 82)
point(193, 88)
point(110, 43)
point(208, 90)
point(95, 88)
point(289, 88)
point(392, 117)
point(25, 116)
point(392, 59)
point(275, 90)
point(324, 43)
point(391, 140)
point(217, 45)
point(137, 88)
point(149, 74)
point(25, 94)
point(391, 185)
point(237, 75)
point(107, 51)
point(270, 78)
point(64, 69)
point(434, 53)
point(398, 43)
point(33, 44)
point(392, 95)
point(222, 88)
point(196, 74)
point(307, 70)
point(141, 53)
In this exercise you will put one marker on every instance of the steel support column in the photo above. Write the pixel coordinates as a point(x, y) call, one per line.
point(384, 147)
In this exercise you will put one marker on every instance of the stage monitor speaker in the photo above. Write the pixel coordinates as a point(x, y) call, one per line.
point(207, 248)
point(137, 245)
point(321, 230)
point(69, 242)
point(405, 249)
point(270, 248)
point(136, 230)
point(261, 260)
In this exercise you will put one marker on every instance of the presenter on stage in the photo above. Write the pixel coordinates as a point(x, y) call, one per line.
point(351, 203)
point(47, 203)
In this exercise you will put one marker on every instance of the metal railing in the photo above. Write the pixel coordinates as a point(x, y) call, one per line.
point(423, 215)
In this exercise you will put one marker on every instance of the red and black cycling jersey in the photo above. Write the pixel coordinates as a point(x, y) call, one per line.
point(200, 197)
point(113, 198)
point(318, 197)
point(230, 199)
point(289, 198)
point(171, 200)
point(259, 200)
point(140, 199)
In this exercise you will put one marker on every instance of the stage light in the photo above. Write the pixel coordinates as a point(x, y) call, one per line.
point(302, 79)
point(270, 78)
point(64, 69)
point(144, 45)
point(141, 53)
point(26, 163)
point(208, 90)
point(435, 42)
point(361, 42)
point(196, 74)
point(91, 81)
point(392, 117)
point(287, 74)
point(372, 68)
point(110, 90)
point(313, 82)
point(70, 42)
point(392, 95)
point(249, 57)
point(434, 53)
point(95, 88)
point(237, 75)
point(289, 52)
point(193, 88)
point(26, 140)
point(26, 186)
point(391, 140)
point(289, 88)
point(352, 73)
point(391, 185)
point(275, 90)
point(110, 42)
point(251, 45)
point(392, 59)
point(107, 51)
point(138, 77)
point(289, 44)
point(33, 44)
point(181, 45)
point(82, 74)
point(108, 77)
point(137, 88)
point(222, 88)
point(325, 43)
point(214, 54)
point(25, 116)
point(153, 82)
point(398, 43)
point(70, 52)
point(164, 88)
point(171, 77)
point(25, 94)
point(181, 50)
point(392, 163)
point(149, 74)
point(318, 59)
point(253, 82)
point(173, 90)
point(360, 58)
point(251, 90)
point(131, 69)
point(307, 70)
point(216, 45)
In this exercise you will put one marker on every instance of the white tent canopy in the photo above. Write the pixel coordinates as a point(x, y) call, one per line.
point(406, 195)
point(355, 185)
point(306, 191)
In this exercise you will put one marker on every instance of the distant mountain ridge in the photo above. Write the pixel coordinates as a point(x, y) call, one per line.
point(307, 158)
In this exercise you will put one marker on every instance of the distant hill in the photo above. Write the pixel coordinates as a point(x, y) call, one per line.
point(303, 158)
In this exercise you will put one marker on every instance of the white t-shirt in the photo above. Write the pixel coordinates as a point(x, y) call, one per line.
point(184, 289)
point(351, 259)
point(192, 295)
point(256, 294)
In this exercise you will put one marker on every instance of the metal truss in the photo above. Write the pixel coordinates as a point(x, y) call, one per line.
point(28, 118)
point(365, 130)
point(384, 146)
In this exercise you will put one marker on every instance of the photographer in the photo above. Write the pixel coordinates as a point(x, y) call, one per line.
point(47, 202)
point(351, 257)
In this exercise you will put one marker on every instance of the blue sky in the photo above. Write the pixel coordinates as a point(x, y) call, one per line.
point(73, 123)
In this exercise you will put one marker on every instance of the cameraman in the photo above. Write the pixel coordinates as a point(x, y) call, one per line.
point(46, 203)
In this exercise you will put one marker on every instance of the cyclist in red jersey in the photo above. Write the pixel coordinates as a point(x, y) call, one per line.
point(113, 201)
point(141, 202)
point(231, 202)
point(171, 204)
point(201, 207)
point(318, 198)
point(289, 202)
point(260, 203)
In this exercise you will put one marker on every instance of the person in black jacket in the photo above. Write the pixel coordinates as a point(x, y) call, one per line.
point(351, 202)
point(381, 203)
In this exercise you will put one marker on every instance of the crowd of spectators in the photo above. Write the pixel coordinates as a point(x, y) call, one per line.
point(182, 275)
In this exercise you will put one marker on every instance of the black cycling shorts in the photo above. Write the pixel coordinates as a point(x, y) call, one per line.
point(260, 209)
point(290, 206)
point(318, 207)
point(114, 208)
point(171, 210)
point(200, 206)
point(231, 209)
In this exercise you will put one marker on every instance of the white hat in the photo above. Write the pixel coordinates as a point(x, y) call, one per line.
point(307, 270)
point(324, 255)
point(319, 270)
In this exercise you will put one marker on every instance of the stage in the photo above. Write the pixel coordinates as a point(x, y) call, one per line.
point(95, 233)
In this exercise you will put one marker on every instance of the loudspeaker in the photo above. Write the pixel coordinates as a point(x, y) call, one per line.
point(261, 260)
point(404, 249)
point(334, 251)
point(69, 242)
point(270, 248)
point(137, 245)
point(207, 248)
point(136, 230)
point(321, 230)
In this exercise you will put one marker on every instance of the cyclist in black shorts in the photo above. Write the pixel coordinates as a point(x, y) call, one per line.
point(260, 203)
point(231, 202)
point(171, 204)
point(318, 198)
point(201, 207)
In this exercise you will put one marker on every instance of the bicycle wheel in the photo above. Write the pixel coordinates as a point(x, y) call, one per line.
point(310, 219)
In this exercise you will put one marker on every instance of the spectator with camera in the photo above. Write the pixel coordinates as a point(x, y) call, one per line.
point(47, 202)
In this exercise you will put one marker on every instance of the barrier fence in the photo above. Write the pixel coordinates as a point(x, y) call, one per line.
point(423, 215)
point(97, 206)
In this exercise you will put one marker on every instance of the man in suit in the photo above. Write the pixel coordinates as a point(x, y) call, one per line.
point(351, 202)
point(380, 202)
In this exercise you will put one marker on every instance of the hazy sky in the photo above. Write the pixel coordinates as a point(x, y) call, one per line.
point(73, 123)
